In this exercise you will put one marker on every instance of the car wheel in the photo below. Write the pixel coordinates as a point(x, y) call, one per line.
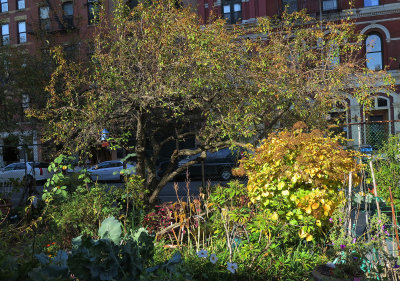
point(225, 174)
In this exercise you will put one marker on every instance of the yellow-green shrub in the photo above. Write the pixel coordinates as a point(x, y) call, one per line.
point(296, 176)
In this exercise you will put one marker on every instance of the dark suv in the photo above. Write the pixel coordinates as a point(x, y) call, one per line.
point(217, 164)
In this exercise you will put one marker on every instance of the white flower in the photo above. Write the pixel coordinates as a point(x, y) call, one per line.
point(232, 267)
point(202, 254)
point(213, 258)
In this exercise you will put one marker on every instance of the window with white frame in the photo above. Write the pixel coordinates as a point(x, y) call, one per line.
point(44, 16)
point(4, 6)
point(232, 11)
point(22, 32)
point(374, 51)
point(5, 34)
point(20, 4)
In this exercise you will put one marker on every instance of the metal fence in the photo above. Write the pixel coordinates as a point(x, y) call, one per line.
point(371, 134)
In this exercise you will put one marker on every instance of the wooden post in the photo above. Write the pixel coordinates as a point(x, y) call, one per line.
point(349, 203)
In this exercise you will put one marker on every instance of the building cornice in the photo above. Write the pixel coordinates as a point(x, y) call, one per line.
point(381, 10)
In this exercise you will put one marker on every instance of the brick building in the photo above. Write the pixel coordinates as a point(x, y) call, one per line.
point(378, 20)
point(35, 26)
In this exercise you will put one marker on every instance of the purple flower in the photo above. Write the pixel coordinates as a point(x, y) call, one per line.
point(396, 265)
point(354, 240)
point(330, 220)
point(383, 227)
point(342, 246)
point(340, 219)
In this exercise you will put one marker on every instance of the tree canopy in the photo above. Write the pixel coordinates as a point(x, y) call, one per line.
point(159, 75)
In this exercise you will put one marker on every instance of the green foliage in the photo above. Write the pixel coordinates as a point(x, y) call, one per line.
point(364, 255)
point(60, 184)
point(83, 211)
point(295, 177)
point(388, 171)
point(110, 229)
point(183, 79)
point(103, 259)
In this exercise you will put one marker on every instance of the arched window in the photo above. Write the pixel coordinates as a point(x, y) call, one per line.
point(374, 51)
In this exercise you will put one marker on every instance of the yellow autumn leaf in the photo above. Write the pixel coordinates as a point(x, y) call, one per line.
point(265, 194)
point(285, 192)
point(302, 233)
point(309, 238)
point(281, 185)
point(318, 223)
point(326, 207)
point(274, 216)
point(315, 205)
point(308, 210)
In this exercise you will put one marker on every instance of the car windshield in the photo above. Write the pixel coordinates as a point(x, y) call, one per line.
point(39, 165)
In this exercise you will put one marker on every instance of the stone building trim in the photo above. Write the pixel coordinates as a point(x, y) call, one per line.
point(377, 26)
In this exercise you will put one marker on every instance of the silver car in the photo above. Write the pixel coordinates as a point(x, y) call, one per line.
point(31, 171)
point(110, 171)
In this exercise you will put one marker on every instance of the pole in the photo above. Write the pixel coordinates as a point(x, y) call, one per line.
point(394, 219)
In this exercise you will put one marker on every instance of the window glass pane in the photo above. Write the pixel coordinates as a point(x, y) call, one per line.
point(227, 9)
point(44, 13)
point(5, 34)
point(374, 61)
point(68, 9)
point(21, 32)
point(4, 29)
point(382, 102)
point(374, 43)
point(329, 5)
point(21, 27)
point(290, 5)
point(9, 167)
point(22, 38)
point(4, 5)
point(369, 3)
point(237, 7)
point(19, 166)
point(227, 17)
point(21, 4)
point(238, 16)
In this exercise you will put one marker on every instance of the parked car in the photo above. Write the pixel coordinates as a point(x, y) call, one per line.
point(217, 164)
point(109, 171)
point(33, 172)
